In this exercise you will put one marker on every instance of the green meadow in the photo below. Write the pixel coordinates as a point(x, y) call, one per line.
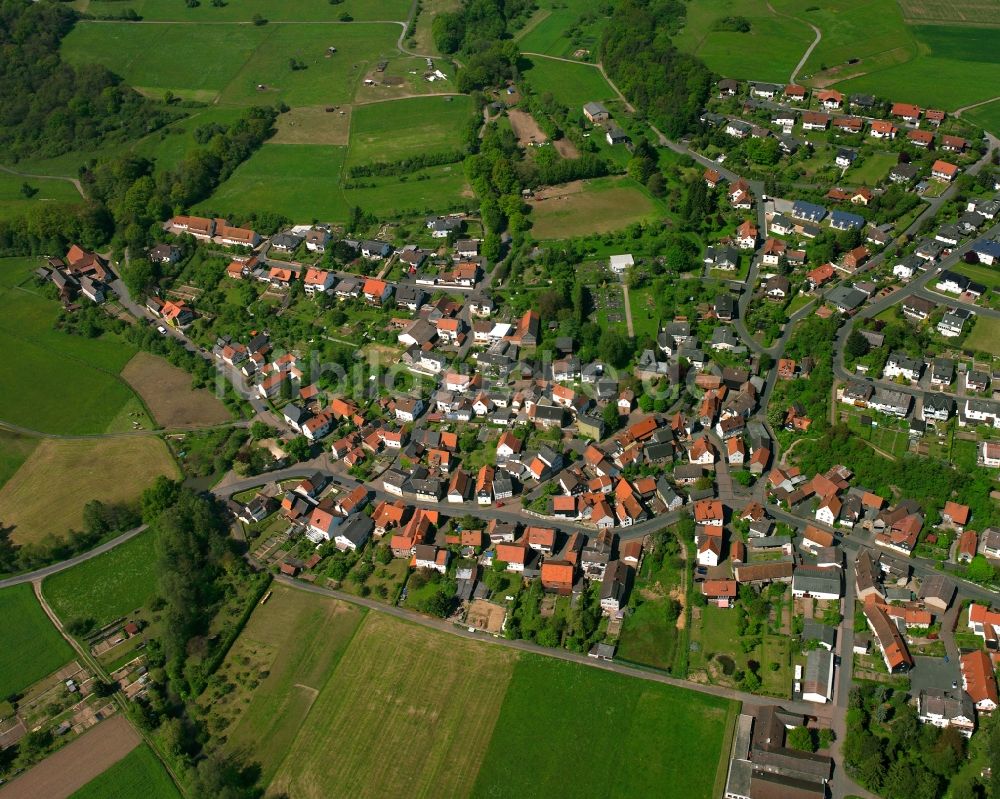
point(398, 129)
point(58, 383)
point(571, 84)
point(244, 10)
point(107, 587)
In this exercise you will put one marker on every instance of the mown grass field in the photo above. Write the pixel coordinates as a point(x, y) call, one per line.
point(948, 12)
point(47, 494)
point(399, 129)
point(244, 10)
point(298, 638)
point(51, 367)
point(423, 40)
point(654, 740)
point(303, 181)
point(591, 206)
point(32, 646)
point(138, 774)
point(571, 84)
point(107, 587)
point(167, 392)
point(14, 451)
point(13, 202)
point(769, 51)
point(429, 699)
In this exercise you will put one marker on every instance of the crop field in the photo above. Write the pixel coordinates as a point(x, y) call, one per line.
point(107, 587)
point(32, 648)
point(769, 51)
point(244, 10)
point(948, 12)
point(252, 68)
point(571, 84)
point(51, 366)
point(987, 115)
point(647, 734)
point(14, 451)
point(447, 709)
point(591, 206)
point(76, 764)
point(298, 638)
point(138, 774)
point(166, 390)
point(14, 203)
point(394, 130)
point(47, 494)
point(429, 699)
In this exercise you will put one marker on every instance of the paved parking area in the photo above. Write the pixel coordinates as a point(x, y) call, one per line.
point(934, 673)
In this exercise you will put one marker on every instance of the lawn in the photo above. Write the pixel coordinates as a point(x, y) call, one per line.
point(985, 336)
point(571, 84)
point(167, 392)
point(32, 647)
point(645, 317)
point(137, 774)
point(107, 587)
point(769, 51)
point(591, 206)
point(14, 451)
point(648, 637)
point(52, 366)
point(428, 700)
point(872, 169)
point(653, 739)
point(47, 494)
point(244, 10)
point(987, 275)
point(302, 181)
point(398, 129)
point(14, 203)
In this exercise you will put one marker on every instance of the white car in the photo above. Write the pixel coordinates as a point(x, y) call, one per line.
point(161, 330)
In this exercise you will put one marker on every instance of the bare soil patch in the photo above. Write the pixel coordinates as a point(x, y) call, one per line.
point(77, 763)
point(167, 392)
point(525, 128)
point(560, 191)
point(314, 125)
point(678, 594)
point(566, 148)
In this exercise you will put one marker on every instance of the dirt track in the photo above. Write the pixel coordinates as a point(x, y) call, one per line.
point(77, 763)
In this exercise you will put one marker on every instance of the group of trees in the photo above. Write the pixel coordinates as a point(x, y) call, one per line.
point(889, 751)
point(138, 196)
point(50, 107)
point(668, 86)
